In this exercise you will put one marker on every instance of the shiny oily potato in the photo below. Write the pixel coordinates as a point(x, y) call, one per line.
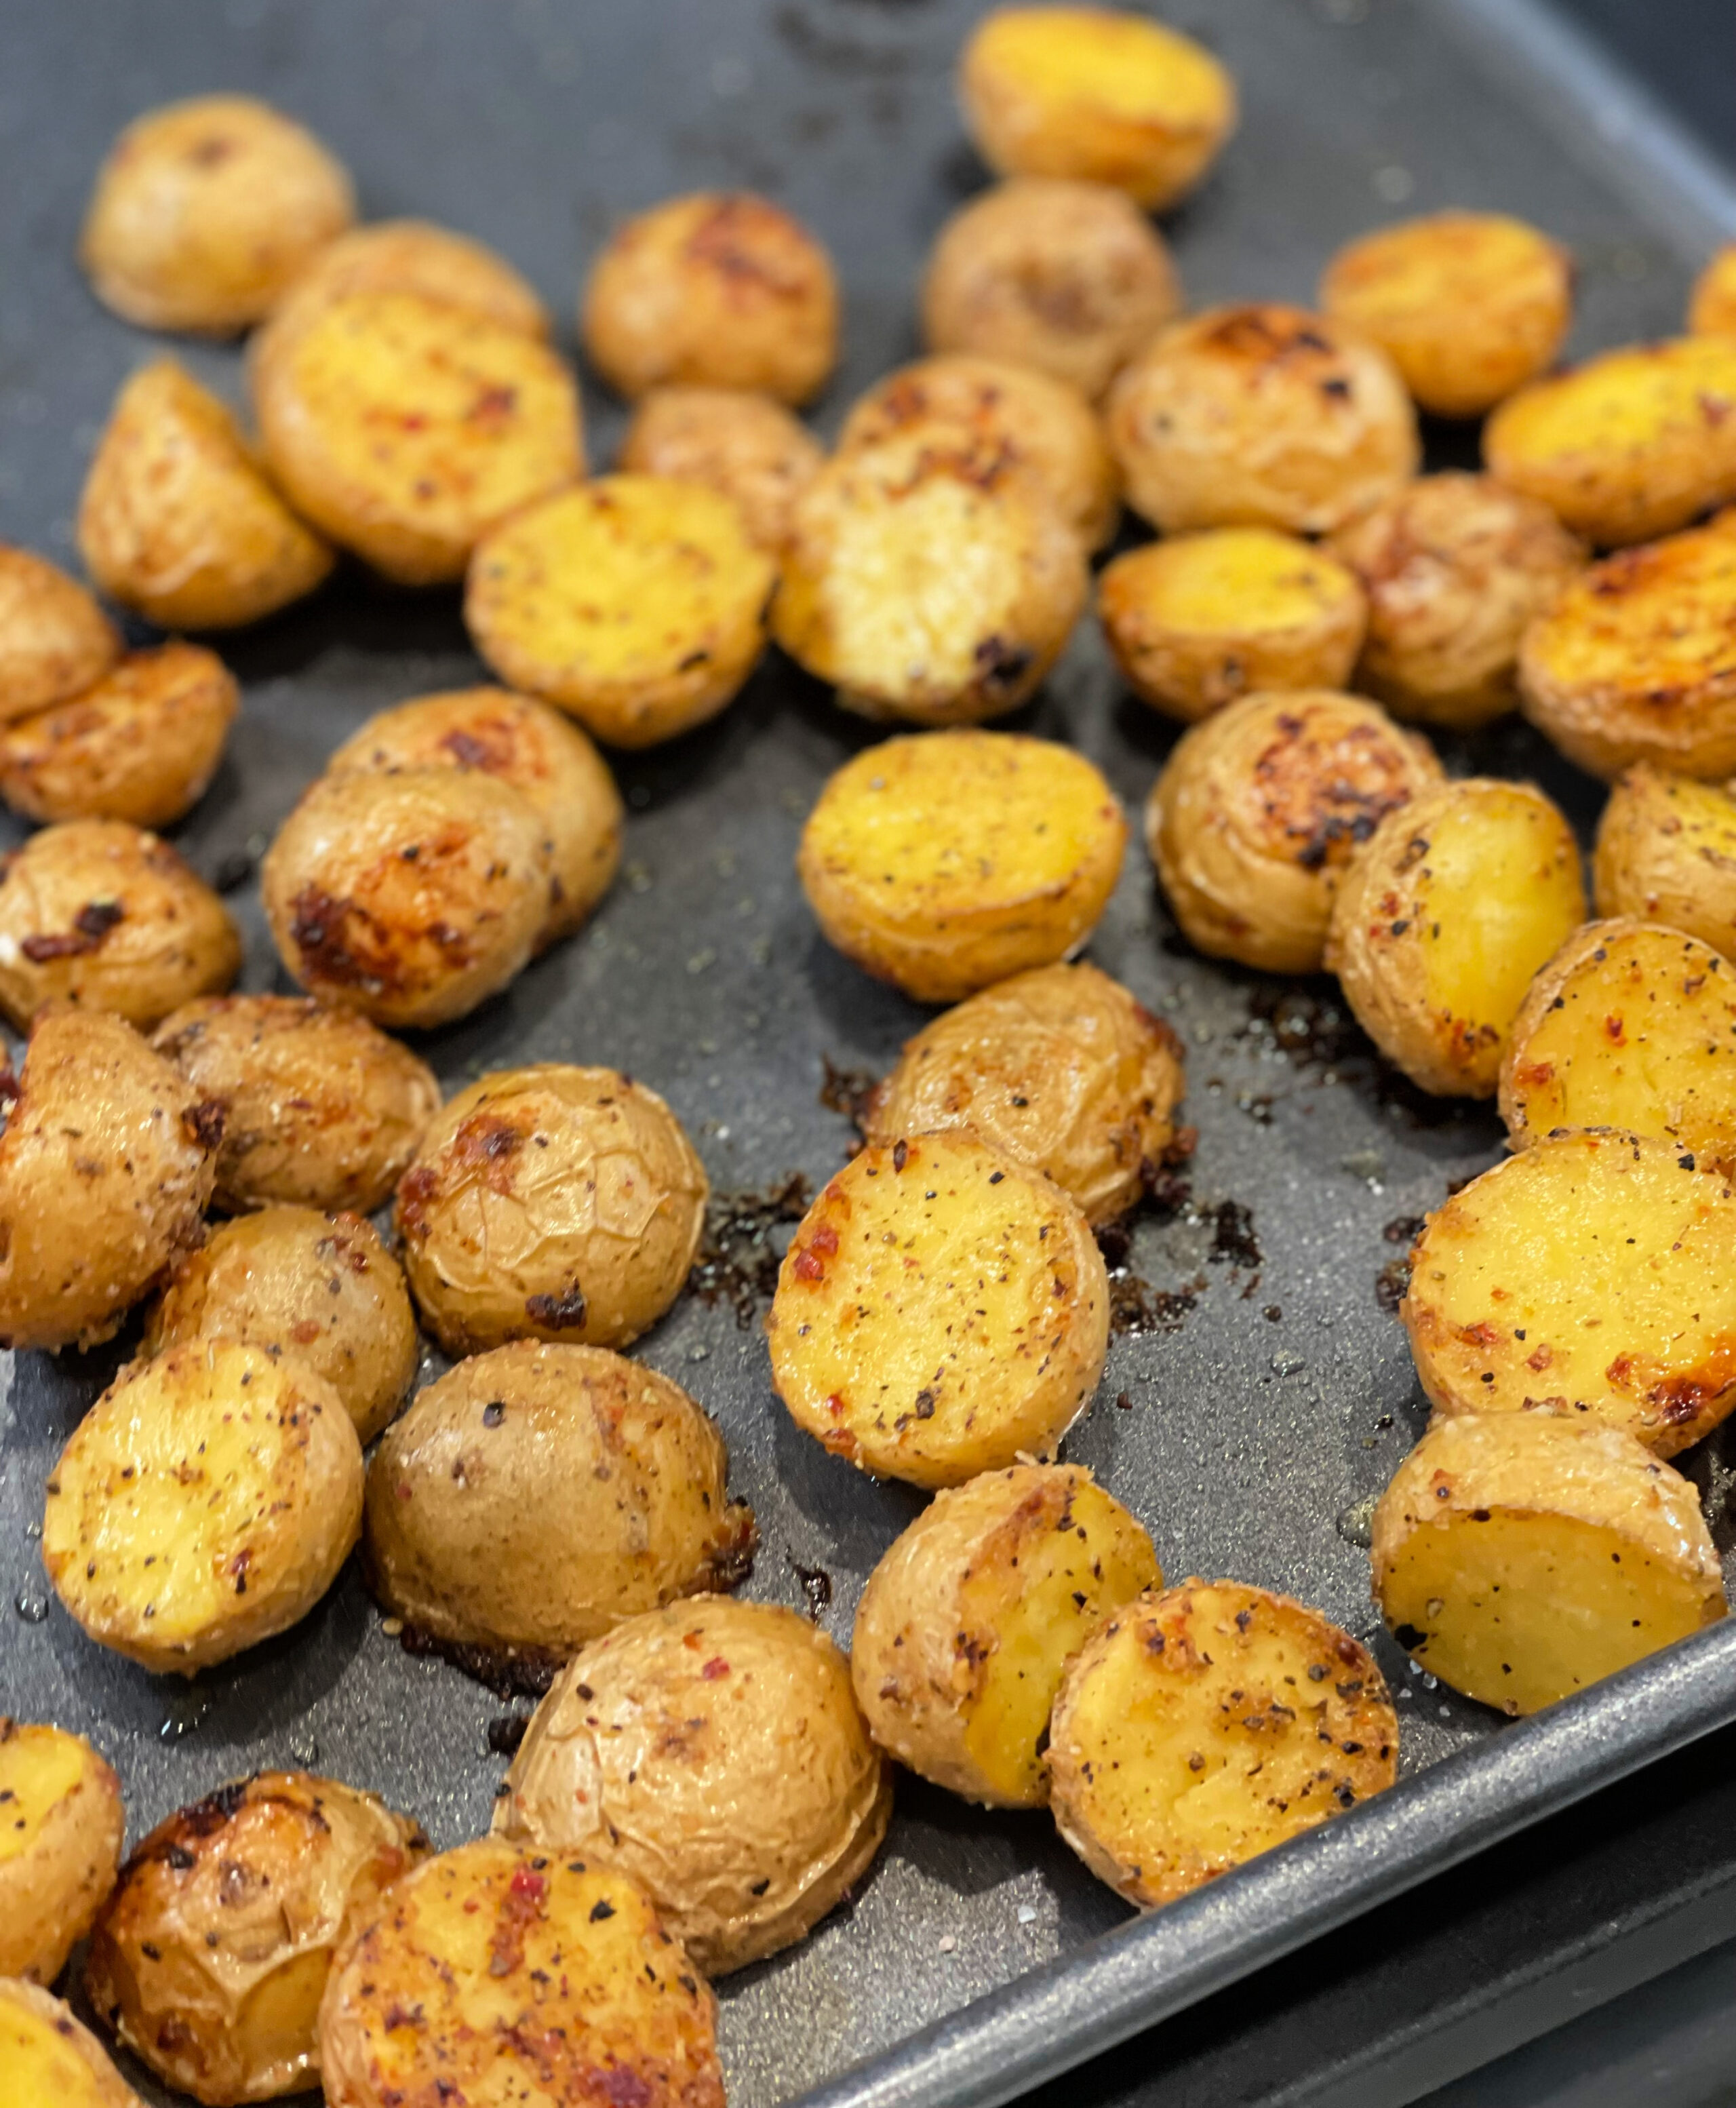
point(322, 1288)
point(749, 449)
point(636, 603)
point(1201, 1726)
point(1198, 619)
point(404, 428)
point(967, 1624)
point(713, 1751)
point(944, 862)
point(205, 1501)
point(414, 256)
point(1060, 1068)
point(535, 1496)
point(1260, 416)
point(205, 211)
point(1095, 93)
point(61, 1827)
point(550, 1202)
point(487, 1974)
point(48, 2056)
point(1666, 852)
point(1520, 1556)
point(1469, 305)
point(321, 1109)
point(410, 897)
point(942, 1311)
point(1066, 277)
point(209, 1960)
point(1262, 812)
point(1711, 308)
point(716, 290)
point(54, 639)
point(1439, 926)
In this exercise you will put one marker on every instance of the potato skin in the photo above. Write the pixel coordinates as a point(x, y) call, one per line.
point(535, 1496)
point(747, 447)
point(209, 1959)
point(45, 2049)
point(1711, 307)
point(1667, 850)
point(414, 256)
point(54, 639)
point(713, 1751)
point(585, 1236)
point(67, 1825)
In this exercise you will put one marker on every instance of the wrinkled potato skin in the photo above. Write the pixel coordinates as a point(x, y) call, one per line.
point(747, 447)
point(713, 1750)
point(1711, 308)
point(584, 1237)
point(54, 639)
point(414, 256)
point(46, 2051)
point(65, 1828)
point(1667, 850)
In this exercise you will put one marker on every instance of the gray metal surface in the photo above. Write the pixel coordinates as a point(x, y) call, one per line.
point(1283, 1396)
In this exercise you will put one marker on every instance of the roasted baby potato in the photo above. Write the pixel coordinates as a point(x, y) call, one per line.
point(405, 428)
point(206, 210)
point(1453, 566)
point(1520, 1557)
point(320, 1287)
point(535, 1496)
point(46, 2056)
point(1263, 810)
point(1440, 925)
point(1711, 308)
point(1195, 621)
point(205, 1501)
point(968, 1622)
point(747, 447)
point(1666, 852)
point(321, 1109)
point(942, 1311)
point(636, 603)
point(411, 897)
point(1200, 1726)
point(717, 290)
point(54, 639)
point(209, 1960)
point(550, 1202)
point(1069, 278)
point(1060, 1068)
point(415, 256)
point(1096, 93)
point(488, 1975)
point(61, 1824)
point(104, 1171)
point(713, 1751)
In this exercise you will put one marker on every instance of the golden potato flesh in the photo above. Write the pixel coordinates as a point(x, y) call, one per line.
point(1711, 308)
point(206, 210)
point(1069, 277)
point(1520, 1556)
point(404, 428)
point(1440, 926)
point(141, 743)
point(1095, 93)
point(713, 1751)
point(321, 1109)
point(1060, 1068)
point(48, 2056)
point(967, 1624)
point(410, 897)
point(1469, 305)
point(1263, 810)
point(1666, 852)
point(205, 1501)
point(550, 1202)
point(105, 1167)
point(749, 449)
point(1260, 417)
point(54, 639)
point(1195, 621)
point(717, 290)
point(322, 1288)
point(486, 1974)
point(636, 603)
point(415, 256)
point(61, 1825)
point(1201, 1726)
point(209, 1960)
point(944, 862)
point(941, 1311)
point(536, 1496)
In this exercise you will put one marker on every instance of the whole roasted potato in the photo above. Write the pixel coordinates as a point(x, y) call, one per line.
point(1711, 308)
point(717, 290)
point(550, 1202)
point(414, 256)
point(713, 1751)
point(535, 1496)
point(54, 639)
point(47, 2054)
point(749, 449)
point(1666, 851)
point(62, 1828)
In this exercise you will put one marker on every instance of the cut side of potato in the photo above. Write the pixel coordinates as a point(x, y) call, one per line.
point(47, 2056)
point(61, 1825)
point(1666, 852)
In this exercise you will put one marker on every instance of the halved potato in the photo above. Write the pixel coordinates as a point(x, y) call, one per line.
point(1711, 307)
point(1667, 850)
point(61, 1824)
point(414, 256)
point(749, 449)
point(54, 639)
point(48, 2056)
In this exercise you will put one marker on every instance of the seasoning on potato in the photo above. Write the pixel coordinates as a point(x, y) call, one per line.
point(414, 256)
point(549, 1203)
point(747, 447)
point(713, 1751)
point(1666, 851)
point(1520, 1556)
point(54, 639)
point(1203, 1726)
point(1438, 928)
point(59, 1849)
point(46, 2054)
point(1711, 307)
point(944, 862)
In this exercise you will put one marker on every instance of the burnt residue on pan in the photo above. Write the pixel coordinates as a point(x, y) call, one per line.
point(741, 1251)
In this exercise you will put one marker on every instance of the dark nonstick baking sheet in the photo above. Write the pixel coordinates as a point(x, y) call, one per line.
point(1273, 1395)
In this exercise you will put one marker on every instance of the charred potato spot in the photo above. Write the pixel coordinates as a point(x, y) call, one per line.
point(61, 1831)
point(1711, 308)
point(747, 447)
point(414, 256)
point(1666, 851)
point(54, 639)
point(47, 2054)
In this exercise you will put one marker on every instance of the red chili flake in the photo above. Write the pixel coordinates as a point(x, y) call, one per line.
point(825, 1240)
point(715, 1668)
point(835, 1405)
point(525, 1883)
point(808, 1267)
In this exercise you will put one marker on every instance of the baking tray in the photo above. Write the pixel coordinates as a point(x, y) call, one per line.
point(1271, 1395)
